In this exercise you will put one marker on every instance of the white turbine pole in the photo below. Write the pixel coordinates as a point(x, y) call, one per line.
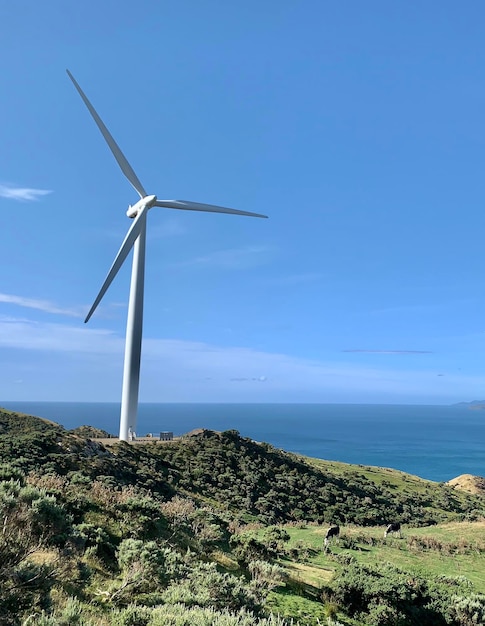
point(134, 327)
point(136, 238)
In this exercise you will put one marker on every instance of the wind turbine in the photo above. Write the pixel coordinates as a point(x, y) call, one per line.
point(136, 239)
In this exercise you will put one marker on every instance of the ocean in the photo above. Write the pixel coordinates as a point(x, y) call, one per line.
point(433, 442)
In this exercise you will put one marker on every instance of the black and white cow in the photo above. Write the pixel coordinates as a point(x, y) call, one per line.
point(333, 531)
point(394, 527)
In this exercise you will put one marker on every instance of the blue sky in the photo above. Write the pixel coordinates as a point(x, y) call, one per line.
point(358, 127)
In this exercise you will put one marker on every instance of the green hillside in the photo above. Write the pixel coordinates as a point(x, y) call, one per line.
point(218, 529)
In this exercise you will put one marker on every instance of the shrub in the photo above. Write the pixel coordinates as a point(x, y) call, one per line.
point(267, 575)
point(361, 589)
point(132, 615)
point(96, 539)
point(385, 615)
point(10, 472)
point(469, 611)
point(178, 615)
point(145, 568)
point(71, 614)
point(32, 521)
point(207, 587)
point(248, 548)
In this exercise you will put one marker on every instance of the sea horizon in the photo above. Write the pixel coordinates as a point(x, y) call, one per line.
point(436, 442)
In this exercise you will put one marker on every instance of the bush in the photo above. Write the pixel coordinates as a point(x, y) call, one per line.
point(10, 472)
point(267, 575)
point(145, 568)
point(32, 521)
point(177, 615)
point(361, 590)
point(469, 611)
point(385, 615)
point(133, 615)
point(205, 586)
point(97, 539)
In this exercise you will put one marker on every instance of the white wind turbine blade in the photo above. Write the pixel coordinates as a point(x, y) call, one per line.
point(119, 156)
point(126, 246)
point(198, 206)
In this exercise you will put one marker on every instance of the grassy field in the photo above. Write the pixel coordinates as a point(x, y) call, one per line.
point(454, 549)
point(451, 550)
point(382, 476)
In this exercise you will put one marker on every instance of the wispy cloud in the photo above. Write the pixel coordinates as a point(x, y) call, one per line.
point(40, 305)
point(390, 351)
point(25, 334)
point(22, 194)
point(236, 258)
point(176, 370)
point(295, 279)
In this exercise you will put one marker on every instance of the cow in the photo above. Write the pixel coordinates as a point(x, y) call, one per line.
point(394, 527)
point(333, 531)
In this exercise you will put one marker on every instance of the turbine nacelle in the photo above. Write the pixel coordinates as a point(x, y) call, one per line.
point(147, 201)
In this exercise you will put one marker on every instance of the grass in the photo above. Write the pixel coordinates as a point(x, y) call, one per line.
point(451, 550)
point(439, 495)
point(454, 549)
point(44, 557)
point(309, 612)
point(378, 475)
point(313, 575)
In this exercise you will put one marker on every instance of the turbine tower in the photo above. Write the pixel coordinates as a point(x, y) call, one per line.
point(136, 239)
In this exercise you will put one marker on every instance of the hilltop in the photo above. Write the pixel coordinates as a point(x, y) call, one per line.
point(212, 522)
point(255, 481)
point(469, 483)
point(12, 423)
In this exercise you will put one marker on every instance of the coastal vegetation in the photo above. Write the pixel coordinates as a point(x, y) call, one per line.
point(216, 529)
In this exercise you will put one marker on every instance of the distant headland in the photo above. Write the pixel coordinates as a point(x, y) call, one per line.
point(474, 405)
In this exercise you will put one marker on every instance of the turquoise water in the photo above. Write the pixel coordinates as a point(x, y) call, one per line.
point(434, 442)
